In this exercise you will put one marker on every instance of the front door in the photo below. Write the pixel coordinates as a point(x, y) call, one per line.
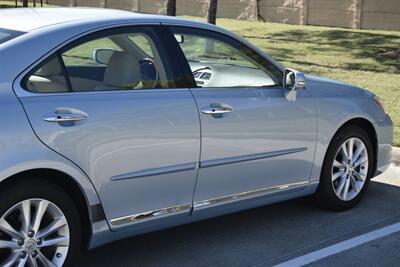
point(254, 140)
point(124, 122)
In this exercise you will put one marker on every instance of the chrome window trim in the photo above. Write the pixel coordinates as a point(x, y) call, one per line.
point(248, 194)
point(156, 171)
point(238, 159)
point(150, 214)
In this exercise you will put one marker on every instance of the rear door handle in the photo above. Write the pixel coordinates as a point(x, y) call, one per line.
point(216, 110)
point(64, 117)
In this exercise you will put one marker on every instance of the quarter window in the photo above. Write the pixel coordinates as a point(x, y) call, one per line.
point(123, 61)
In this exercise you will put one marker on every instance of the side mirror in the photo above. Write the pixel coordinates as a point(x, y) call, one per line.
point(293, 80)
point(179, 38)
point(102, 55)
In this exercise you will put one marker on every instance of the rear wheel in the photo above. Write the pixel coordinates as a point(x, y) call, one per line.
point(346, 170)
point(39, 226)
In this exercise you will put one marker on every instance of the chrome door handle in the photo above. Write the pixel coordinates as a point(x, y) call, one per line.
point(216, 110)
point(64, 117)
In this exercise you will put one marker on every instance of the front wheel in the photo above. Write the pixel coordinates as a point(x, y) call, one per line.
point(347, 169)
point(39, 226)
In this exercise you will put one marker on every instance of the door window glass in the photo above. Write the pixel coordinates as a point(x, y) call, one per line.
point(220, 61)
point(127, 61)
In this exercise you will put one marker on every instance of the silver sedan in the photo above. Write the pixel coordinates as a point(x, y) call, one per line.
point(117, 124)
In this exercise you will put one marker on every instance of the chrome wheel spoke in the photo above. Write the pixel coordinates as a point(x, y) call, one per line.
point(56, 241)
point(338, 164)
point(337, 175)
point(54, 226)
point(358, 152)
point(354, 185)
point(360, 161)
point(350, 147)
point(346, 189)
point(46, 262)
point(32, 261)
point(8, 229)
point(359, 176)
point(11, 261)
point(25, 215)
point(22, 262)
point(41, 209)
point(343, 151)
point(340, 187)
point(10, 244)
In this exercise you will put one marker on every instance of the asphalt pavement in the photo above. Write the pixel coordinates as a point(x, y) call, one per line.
point(271, 235)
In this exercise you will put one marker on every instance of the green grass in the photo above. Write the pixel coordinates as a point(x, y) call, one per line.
point(342, 54)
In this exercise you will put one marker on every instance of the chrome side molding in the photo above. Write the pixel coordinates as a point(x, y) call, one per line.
point(187, 207)
point(230, 160)
point(248, 194)
point(156, 171)
point(150, 214)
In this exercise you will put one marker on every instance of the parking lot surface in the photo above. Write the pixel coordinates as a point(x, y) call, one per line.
point(270, 235)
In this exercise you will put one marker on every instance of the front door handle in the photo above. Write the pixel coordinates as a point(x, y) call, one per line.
point(64, 117)
point(216, 110)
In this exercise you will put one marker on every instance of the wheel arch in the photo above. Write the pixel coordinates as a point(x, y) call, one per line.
point(369, 128)
point(66, 182)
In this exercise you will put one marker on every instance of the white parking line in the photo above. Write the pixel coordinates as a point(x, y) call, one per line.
point(342, 246)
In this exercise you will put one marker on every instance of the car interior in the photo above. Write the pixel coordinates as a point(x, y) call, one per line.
point(127, 66)
point(132, 61)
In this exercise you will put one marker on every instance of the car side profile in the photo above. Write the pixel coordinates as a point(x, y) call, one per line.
point(117, 124)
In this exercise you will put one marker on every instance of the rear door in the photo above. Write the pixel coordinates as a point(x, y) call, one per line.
point(254, 141)
point(133, 129)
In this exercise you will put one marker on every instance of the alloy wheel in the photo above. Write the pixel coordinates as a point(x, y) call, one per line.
point(350, 169)
point(34, 232)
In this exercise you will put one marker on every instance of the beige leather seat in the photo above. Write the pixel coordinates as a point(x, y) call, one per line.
point(122, 72)
point(48, 79)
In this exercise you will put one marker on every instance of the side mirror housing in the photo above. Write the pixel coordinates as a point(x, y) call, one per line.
point(179, 38)
point(102, 55)
point(293, 80)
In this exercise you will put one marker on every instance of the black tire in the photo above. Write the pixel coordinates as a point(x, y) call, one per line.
point(14, 193)
point(325, 195)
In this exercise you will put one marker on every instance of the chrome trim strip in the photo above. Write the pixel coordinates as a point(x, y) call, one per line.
point(156, 171)
point(230, 160)
point(248, 194)
point(150, 214)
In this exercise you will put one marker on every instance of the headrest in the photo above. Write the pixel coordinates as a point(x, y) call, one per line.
point(122, 70)
point(51, 68)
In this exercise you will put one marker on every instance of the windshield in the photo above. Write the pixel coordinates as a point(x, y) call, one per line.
point(6, 35)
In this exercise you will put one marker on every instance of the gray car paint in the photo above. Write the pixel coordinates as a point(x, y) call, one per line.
point(262, 121)
point(336, 103)
point(127, 132)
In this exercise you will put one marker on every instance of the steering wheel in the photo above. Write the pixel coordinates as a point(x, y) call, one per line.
point(148, 71)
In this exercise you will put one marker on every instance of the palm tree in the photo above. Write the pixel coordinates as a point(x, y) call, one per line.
point(212, 12)
point(171, 7)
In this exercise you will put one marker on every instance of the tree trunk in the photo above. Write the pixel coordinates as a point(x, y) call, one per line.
point(258, 12)
point(25, 3)
point(212, 12)
point(171, 7)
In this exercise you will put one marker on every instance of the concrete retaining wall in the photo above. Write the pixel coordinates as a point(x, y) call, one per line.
point(363, 14)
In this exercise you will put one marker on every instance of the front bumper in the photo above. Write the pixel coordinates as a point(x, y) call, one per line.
point(384, 134)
